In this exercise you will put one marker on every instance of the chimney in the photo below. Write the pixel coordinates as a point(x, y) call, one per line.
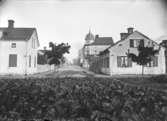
point(123, 35)
point(130, 30)
point(97, 36)
point(164, 43)
point(10, 23)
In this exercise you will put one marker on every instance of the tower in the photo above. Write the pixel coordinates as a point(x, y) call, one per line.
point(89, 38)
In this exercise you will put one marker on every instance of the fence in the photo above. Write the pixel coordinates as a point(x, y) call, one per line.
point(45, 68)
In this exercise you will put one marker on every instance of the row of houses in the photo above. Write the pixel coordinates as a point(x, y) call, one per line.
point(112, 58)
point(19, 51)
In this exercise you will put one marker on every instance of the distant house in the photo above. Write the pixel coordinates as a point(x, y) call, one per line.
point(18, 50)
point(93, 46)
point(114, 59)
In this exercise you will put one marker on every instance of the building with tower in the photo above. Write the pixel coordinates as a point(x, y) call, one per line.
point(93, 46)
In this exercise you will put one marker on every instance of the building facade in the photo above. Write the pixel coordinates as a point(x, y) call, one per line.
point(118, 63)
point(18, 50)
point(93, 46)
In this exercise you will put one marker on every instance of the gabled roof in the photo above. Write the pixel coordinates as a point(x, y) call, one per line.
point(17, 33)
point(128, 36)
point(103, 41)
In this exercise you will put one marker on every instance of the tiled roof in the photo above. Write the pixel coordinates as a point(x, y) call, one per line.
point(103, 41)
point(17, 33)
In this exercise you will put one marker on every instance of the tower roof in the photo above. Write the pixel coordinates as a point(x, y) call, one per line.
point(89, 36)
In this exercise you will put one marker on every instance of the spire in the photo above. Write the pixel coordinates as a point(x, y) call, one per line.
point(89, 36)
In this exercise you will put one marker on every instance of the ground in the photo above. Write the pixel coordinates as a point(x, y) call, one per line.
point(69, 71)
point(64, 94)
point(154, 81)
point(151, 81)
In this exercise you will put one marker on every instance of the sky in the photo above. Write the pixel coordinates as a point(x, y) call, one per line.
point(69, 21)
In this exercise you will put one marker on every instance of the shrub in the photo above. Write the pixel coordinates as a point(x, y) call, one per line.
point(81, 99)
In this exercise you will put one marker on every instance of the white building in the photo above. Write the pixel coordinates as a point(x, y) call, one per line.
point(18, 50)
point(114, 60)
point(93, 46)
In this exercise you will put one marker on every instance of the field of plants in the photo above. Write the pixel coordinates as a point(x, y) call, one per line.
point(79, 99)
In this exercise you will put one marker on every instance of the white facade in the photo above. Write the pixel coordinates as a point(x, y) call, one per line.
point(122, 47)
point(95, 49)
point(24, 49)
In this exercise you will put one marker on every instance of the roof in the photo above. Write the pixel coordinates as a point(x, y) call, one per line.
point(89, 36)
point(42, 52)
point(103, 41)
point(17, 33)
point(128, 36)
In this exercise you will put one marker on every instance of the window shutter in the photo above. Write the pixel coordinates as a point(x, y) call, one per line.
point(155, 61)
point(34, 61)
point(131, 43)
point(12, 60)
point(107, 62)
point(30, 61)
point(129, 62)
point(119, 61)
point(142, 42)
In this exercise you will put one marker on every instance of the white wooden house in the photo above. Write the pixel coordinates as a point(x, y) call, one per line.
point(18, 50)
point(114, 60)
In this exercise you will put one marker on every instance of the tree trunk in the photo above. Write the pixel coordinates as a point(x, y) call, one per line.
point(142, 71)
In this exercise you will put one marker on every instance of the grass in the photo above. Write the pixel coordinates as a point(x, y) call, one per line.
point(158, 82)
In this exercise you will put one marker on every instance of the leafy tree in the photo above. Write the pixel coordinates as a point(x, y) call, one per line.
point(145, 55)
point(55, 55)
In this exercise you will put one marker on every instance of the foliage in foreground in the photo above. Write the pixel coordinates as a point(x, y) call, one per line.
point(81, 99)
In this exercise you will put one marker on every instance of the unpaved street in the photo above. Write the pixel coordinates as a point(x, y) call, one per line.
point(69, 71)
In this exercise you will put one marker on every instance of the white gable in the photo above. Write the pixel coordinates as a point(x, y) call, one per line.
point(122, 47)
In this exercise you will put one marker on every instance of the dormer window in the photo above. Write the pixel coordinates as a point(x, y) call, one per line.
point(13, 45)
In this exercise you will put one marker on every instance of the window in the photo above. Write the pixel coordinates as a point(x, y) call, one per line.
point(13, 60)
point(34, 61)
point(33, 43)
point(124, 61)
point(29, 60)
point(108, 62)
point(131, 43)
point(87, 52)
point(153, 62)
point(136, 42)
point(142, 42)
point(13, 45)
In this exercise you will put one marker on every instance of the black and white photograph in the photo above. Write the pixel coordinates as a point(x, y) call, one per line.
point(83, 60)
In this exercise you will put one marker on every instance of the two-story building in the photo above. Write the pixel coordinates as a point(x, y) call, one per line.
point(114, 60)
point(18, 50)
point(93, 46)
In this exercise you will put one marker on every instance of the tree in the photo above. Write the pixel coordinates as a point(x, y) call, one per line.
point(145, 55)
point(55, 55)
